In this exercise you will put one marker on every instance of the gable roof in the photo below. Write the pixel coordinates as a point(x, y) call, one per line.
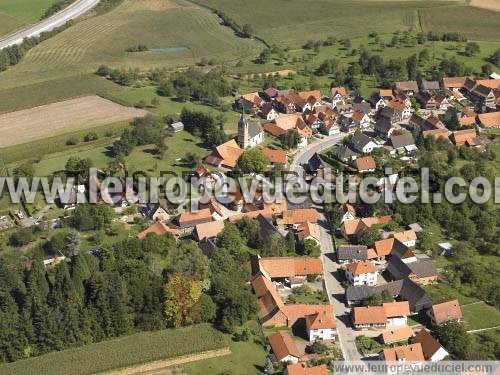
point(407, 235)
point(275, 156)
point(430, 85)
point(387, 246)
point(489, 120)
point(360, 140)
point(407, 85)
point(356, 226)
point(409, 353)
point(421, 268)
point(320, 320)
point(453, 82)
point(397, 334)
point(446, 311)
point(369, 315)
point(394, 309)
point(358, 268)
point(188, 219)
point(402, 140)
point(274, 129)
point(338, 91)
point(365, 163)
point(437, 133)
point(283, 345)
point(229, 152)
point(343, 152)
point(308, 229)
point(279, 267)
point(383, 125)
point(462, 137)
point(253, 98)
point(159, 229)
point(302, 369)
point(352, 252)
point(298, 216)
point(254, 128)
point(429, 344)
point(208, 230)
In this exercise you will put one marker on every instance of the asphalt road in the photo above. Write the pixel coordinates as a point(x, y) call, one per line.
point(73, 11)
point(305, 153)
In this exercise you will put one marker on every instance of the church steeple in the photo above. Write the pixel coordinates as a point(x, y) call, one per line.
point(243, 130)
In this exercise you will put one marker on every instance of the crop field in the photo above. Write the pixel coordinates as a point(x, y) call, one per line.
point(160, 24)
point(122, 352)
point(487, 4)
point(480, 315)
point(8, 24)
point(475, 23)
point(52, 119)
point(16, 13)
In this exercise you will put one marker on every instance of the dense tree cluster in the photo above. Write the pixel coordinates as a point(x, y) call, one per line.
point(204, 125)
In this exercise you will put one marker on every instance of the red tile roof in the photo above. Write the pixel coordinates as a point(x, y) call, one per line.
point(283, 345)
point(446, 311)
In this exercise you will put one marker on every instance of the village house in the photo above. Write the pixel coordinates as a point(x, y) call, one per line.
point(445, 312)
point(407, 87)
point(309, 231)
point(423, 271)
point(454, 83)
point(344, 154)
point(466, 137)
point(361, 273)
point(432, 349)
point(361, 119)
point(426, 100)
point(402, 108)
point(411, 354)
point(302, 369)
point(442, 101)
point(362, 143)
point(407, 237)
point(191, 219)
point(283, 347)
point(396, 335)
point(431, 86)
point(437, 134)
point(277, 158)
point(155, 212)
point(421, 124)
point(177, 126)
point(159, 229)
point(225, 155)
point(321, 326)
point(391, 115)
point(251, 101)
point(349, 212)
point(401, 143)
point(205, 231)
point(489, 120)
point(384, 128)
point(365, 164)
point(384, 248)
point(481, 92)
point(286, 105)
point(404, 289)
point(289, 270)
point(377, 101)
point(298, 216)
point(360, 105)
point(338, 95)
point(268, 112)
point(352, 253)
point(380, 317)
point(269, 94)
point(309, 100)
point(352, 229)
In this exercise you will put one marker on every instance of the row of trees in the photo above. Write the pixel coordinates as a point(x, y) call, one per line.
point(204, 125)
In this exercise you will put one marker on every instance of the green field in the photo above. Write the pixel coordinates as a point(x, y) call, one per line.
point(8, 24)
point(292, 22)
point(444, 292)
point(126, 351)
point(27, 11)
point(480, 315)
point(104, 39)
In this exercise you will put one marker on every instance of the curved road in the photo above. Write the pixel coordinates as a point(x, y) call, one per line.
point(304, 154)
point(73, 11)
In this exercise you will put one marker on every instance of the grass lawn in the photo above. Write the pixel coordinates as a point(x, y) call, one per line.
point(125, 351)
point(315, 297)
point(247, 358)
point(480, 315)
point(8, 24)
point(444, 292)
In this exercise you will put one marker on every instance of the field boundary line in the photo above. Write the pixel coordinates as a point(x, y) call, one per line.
point(163, 364)
point(482, 329)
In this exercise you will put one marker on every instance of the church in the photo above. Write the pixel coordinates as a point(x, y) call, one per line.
point(250, 133)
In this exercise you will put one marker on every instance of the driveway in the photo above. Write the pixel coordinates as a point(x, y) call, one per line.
point(71, 12)
point(335, 293)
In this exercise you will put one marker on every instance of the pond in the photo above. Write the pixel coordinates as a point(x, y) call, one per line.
point(170, 49)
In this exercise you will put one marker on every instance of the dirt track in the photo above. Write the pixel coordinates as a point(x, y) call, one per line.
point(162, 367)
point(61, 117)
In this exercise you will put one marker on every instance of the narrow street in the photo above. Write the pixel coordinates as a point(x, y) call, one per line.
point(336, 294)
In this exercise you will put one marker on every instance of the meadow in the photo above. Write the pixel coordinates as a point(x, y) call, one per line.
point(122, 352)
point(292, 22)
point(480, 315)
point(18, 13)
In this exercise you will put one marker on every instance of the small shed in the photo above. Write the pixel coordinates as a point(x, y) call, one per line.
point(416, 227)
point(445, 249)
point(177, 126)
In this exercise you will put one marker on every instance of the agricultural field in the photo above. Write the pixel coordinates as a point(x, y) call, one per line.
point(181, 33)
point(475, 23)
point(347, 19)
point(122, 352)
point(18, 13)
point(52, 119)
point(37, 94)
